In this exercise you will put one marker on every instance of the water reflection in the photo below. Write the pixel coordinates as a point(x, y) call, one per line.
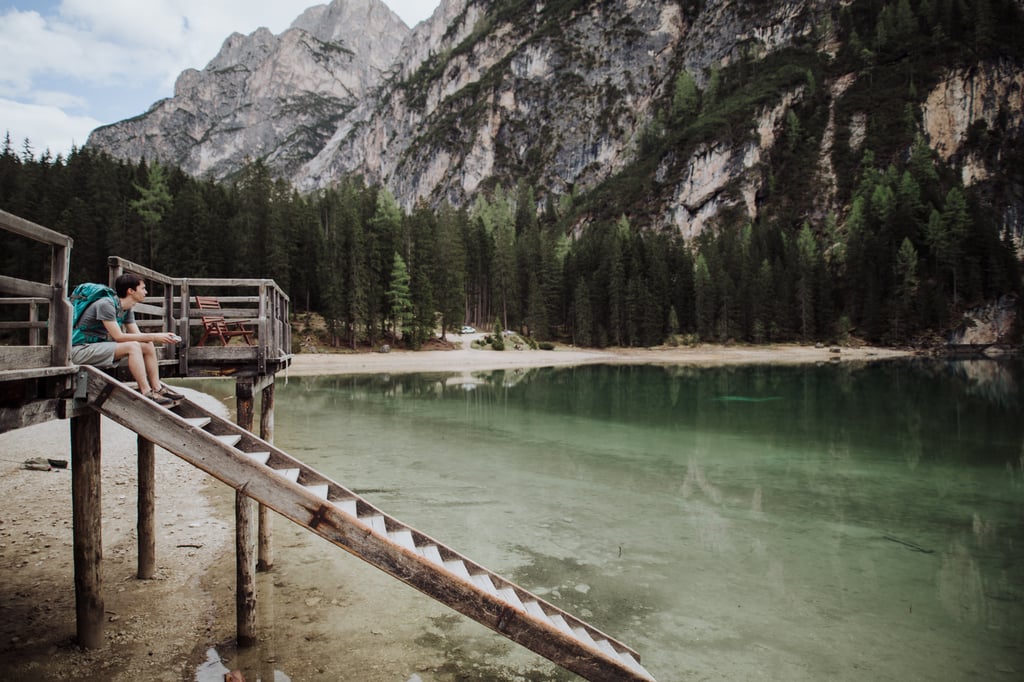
point(831, 522)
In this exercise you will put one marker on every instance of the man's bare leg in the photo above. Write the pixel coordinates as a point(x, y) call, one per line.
point(152, 366)
point(136, 363)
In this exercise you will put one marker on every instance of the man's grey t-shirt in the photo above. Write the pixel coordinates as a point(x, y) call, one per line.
point(104, 309)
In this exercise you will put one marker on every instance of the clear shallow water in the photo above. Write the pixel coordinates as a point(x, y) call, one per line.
point(787, 523)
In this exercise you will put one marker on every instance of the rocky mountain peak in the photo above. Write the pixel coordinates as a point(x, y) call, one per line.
point(273, 97)
point(565, 96)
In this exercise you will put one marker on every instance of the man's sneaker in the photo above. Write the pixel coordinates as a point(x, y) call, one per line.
point(167, 392)
point(158, 398)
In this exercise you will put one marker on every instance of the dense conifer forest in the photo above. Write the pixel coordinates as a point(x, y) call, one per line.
point(911, 252)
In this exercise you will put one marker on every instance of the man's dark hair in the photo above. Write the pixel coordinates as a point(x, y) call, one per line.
point(123, 283)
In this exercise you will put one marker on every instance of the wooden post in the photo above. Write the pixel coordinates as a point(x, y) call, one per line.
point(33, 316)
point(245, 534)
point(265, 561)
point(59, 330)
point(245, 565)
point(87, 526)
point(146, 524)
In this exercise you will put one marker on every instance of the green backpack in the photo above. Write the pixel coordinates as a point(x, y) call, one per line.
point(83, 296)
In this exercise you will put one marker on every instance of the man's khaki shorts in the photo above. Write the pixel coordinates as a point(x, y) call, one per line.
point(96, 354)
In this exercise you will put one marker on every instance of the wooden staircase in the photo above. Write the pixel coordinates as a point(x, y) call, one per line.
point(310, 499)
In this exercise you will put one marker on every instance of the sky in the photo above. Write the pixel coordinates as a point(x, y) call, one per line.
point(69, 66)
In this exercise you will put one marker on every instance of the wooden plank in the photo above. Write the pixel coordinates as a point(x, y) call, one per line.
point(24, 324)
point(227, 282)
point(36, 373)
point(30, 300)
point(23, 287)
point(147, 309)
point(229, 314)
point(26, 228)
point(117, 264)
point(13, 358)
point(252, 302)
point(35, 412)
point(222, 353)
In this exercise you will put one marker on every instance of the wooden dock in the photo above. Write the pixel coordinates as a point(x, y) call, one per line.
point(38, 383)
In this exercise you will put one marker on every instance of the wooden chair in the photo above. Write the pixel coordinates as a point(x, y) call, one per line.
point(216, 326)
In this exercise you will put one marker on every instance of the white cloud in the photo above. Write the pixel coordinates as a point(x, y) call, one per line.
point(91, 63)
point(46, 127)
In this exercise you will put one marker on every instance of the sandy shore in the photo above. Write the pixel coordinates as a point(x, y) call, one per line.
point(161, 630)
point(152, 626)
point(468, 359)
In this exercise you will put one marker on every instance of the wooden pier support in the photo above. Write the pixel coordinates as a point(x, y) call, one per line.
point(253, 538)
point(245, 566)
point(146, 522)
point(86, 505)
point(266, 553)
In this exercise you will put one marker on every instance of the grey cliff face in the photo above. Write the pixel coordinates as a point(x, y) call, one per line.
point(276, 98)
point(474, 97)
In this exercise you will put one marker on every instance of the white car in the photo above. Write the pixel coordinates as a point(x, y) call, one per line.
point(468, 330)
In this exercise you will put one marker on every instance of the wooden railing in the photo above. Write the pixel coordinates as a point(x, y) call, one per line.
point(35, 310)
point(35, 298)
point(259, 302)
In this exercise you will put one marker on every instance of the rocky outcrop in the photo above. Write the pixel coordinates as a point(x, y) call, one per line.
point(985, 92)
point(558, 94)
point(276, 98)
point(467, 98)
point(987, 96)
point(991, 323)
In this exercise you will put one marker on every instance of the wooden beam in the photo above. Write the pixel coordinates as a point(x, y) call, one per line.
point(245, 566)
point(265, 560)
point(86, 494)
point(22, 374)
point(146, 522)
point(26, 357)
point(32, 325)
point(117, 265)
point(25, 228)
point(23, 287)
point(29, 414)
point(59, 336)
point(246, 518)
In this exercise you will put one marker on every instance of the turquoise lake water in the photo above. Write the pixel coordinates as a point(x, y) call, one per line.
point(836, 521)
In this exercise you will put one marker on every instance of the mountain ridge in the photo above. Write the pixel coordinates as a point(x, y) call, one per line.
point(569, 96)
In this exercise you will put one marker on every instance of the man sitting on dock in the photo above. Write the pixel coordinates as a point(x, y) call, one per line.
point(111, 336)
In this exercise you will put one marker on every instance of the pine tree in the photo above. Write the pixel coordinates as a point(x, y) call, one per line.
point(956, 225)
point(583, 318)
point(399, 297)
point(450, 283)
point(704, 298)
point(906, 289)
point(153, 203)
point(383, 237)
